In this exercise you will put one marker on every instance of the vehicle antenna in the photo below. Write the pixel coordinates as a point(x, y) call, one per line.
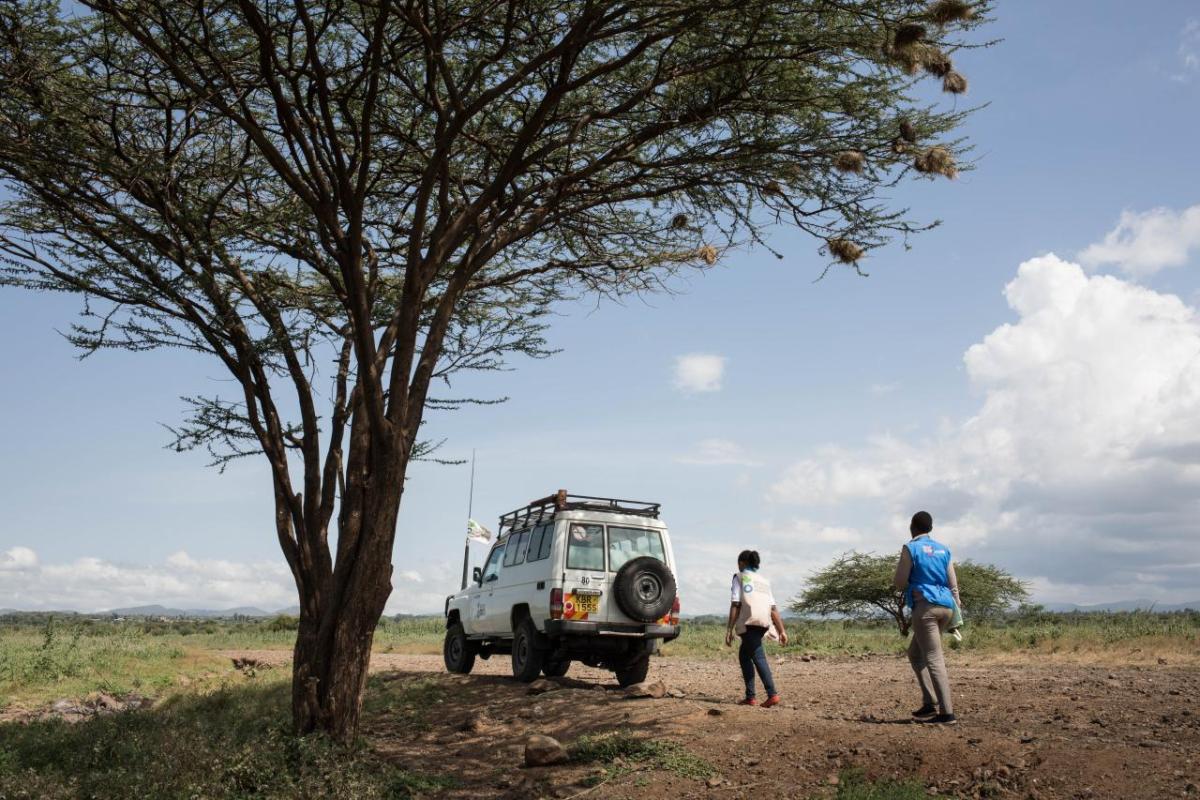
point(470, 510)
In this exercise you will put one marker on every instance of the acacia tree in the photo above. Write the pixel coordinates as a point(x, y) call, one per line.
point(859, 586)
point(375, 193)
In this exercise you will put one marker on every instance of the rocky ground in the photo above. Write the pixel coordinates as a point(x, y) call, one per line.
point(1030, 729)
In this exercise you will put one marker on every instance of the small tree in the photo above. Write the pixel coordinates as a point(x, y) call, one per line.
point(343, 202)
point(859, 586)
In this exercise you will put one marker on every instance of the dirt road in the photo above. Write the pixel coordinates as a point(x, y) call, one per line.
point(1030, 730)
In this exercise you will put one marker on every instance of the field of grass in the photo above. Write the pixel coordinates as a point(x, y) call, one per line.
point(43, 658)
point(231, 742)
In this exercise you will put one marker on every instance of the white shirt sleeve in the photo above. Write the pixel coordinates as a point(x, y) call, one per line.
point(735, 591)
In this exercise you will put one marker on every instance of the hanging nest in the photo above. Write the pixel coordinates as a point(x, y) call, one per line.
point(935, 62)
point(943, 12)
point(954, 83)
point(772, 189)
point(850, 161)
point(679, 221)
point(908, 34)
point(907, 132)
point(936, 161)
point(845, 250)
point(922, 56)
point(708, 254)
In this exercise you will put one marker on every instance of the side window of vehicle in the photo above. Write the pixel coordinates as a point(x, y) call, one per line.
point(492, 570)
point(547, 541)
point(535, 544)
point(515, 553)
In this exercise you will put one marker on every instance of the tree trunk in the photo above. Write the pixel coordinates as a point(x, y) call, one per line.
point(339, 612)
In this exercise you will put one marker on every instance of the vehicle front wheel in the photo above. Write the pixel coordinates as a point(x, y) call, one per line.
point(458, 651)
point(556, 669)
point(527, 659)
point(634, 671)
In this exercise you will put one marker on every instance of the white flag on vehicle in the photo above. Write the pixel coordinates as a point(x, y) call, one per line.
point(478, 533)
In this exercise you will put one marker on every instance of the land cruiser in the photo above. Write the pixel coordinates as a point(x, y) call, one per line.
point(569, 578)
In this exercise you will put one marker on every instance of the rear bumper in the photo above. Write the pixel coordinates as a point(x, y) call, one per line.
point(573, 627)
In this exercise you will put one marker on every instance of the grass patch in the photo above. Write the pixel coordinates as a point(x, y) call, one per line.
point(227, 744)
point(853, 784)
point(406, 701)
point(621, 752)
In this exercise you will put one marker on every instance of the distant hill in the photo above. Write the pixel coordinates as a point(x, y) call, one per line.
point(191, 613)
point(1126, 605)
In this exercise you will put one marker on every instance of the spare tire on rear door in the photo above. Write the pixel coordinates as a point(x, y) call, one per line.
point(645, 589)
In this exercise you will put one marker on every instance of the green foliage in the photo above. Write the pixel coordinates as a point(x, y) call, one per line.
point(621, 750)
point(855, 585)
point(230, 743)
point(859, 586)
point(988, 591)
point(853, 784)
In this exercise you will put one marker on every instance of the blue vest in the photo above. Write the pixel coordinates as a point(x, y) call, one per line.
point(930, 572)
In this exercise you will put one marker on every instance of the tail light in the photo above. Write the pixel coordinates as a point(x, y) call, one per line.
point(556, 604)
point(675, 611)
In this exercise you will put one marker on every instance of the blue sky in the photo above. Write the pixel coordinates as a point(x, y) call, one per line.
point(1047, 428)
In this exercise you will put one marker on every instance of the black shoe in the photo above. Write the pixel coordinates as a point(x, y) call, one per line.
point(940, 719)
point(925, 711)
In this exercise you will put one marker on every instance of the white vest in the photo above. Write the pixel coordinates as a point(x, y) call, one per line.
point(756, 601)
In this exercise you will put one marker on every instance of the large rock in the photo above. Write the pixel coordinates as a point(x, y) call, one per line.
point(542, 751)
point(646, 689)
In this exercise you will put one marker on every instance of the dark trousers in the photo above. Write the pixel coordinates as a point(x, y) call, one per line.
point(752, 656)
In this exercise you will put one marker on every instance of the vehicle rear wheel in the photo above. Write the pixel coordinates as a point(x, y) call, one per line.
point(527, 659)
point(556, 669)
point(458, 651)
point(644, 589)
point(634, 671)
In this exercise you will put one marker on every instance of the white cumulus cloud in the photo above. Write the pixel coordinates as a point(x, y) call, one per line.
point(1082, 464)
point(182, 581)
point(1188, 54)
point(699, 372)
point(18, 558)
point(1144, 242)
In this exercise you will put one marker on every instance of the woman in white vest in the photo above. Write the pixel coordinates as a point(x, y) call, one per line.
point(752, 612)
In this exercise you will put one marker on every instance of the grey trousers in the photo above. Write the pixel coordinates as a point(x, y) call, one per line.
point(925, 654)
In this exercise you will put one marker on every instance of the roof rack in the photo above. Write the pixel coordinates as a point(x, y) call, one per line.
point(562, 500)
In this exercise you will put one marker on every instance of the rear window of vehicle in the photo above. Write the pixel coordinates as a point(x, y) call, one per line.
point(626, 544)
point(585, 546)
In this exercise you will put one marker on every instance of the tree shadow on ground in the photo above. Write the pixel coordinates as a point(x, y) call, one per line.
point(422, 735)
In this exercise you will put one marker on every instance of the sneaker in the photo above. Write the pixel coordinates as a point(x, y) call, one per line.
point(749, 701)
point(928, 710)
point(773, 700)
point(941, 719)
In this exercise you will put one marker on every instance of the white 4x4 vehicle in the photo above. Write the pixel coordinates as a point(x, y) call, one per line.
point(569, 578)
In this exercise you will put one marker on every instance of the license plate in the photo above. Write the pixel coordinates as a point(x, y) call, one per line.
point(587, 603)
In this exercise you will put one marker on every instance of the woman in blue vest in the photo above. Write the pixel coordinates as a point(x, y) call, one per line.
point(925, 573)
